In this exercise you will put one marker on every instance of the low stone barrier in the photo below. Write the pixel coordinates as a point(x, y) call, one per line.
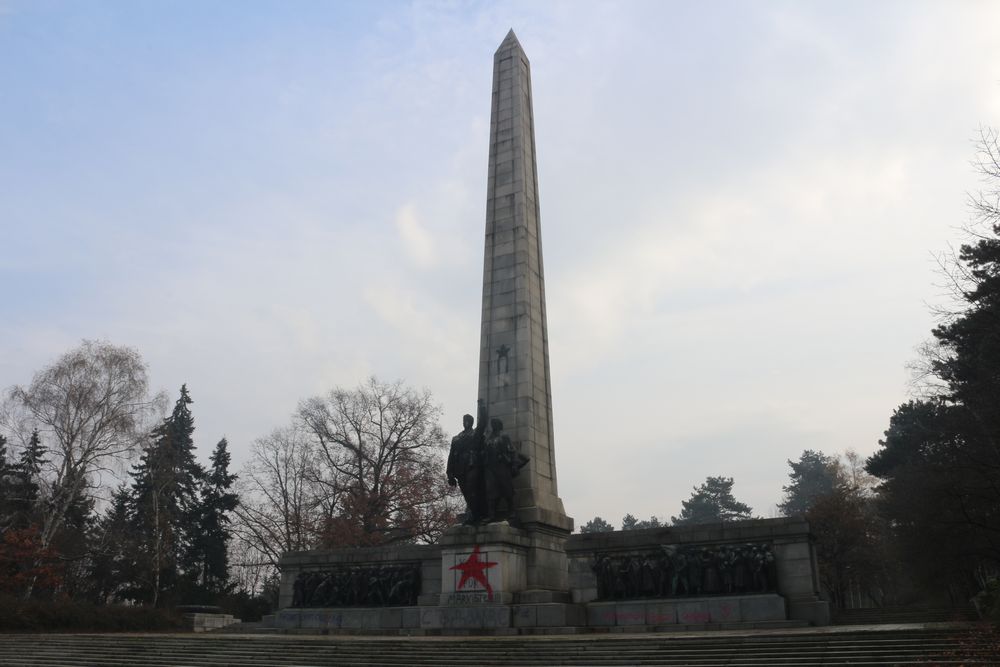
point(771, 577)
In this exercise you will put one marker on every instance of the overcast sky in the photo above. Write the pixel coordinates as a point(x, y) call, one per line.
point(740, 203)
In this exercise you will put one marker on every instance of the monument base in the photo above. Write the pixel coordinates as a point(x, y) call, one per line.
point(535, 558)
point(515, 583)
point(688, 611)
point(725, 612)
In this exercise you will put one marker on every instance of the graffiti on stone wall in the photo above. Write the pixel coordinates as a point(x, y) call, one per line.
point(682, 571)
point(358, 585)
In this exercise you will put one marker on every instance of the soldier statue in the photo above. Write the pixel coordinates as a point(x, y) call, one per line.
point(465, 466)
point(501, 463)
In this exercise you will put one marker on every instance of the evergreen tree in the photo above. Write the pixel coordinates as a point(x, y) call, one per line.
point(25, 487)
point(30, 467)
point(4, 464)
point(112, 546)
point(812, 476)
point(210, 545)
point(596, 525)
point(940, 459)
point(7, 480)
point(629, 522)
point(71, 540)
point(711, 502)
point(165, 508)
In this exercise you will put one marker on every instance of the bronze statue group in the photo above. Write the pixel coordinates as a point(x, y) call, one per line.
point(362, 585)
point(484, 466)
point(691, 570)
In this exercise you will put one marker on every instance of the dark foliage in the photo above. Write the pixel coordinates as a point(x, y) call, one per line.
point(596, 525)
point(812, 476)
point(940, 459)
point(712, 502)
point(69, 615)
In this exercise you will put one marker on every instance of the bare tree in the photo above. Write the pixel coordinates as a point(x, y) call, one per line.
point(250, 570)
point(356, 468)
point(92, 408)
point(280, 502)
point(380, 455)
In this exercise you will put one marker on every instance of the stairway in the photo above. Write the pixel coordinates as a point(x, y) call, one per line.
point(808, 647)
point(908, 614)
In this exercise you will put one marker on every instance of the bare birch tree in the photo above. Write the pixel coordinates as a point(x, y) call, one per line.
point(92, 408)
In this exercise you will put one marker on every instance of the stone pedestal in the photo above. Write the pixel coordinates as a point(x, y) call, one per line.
point(482, 573)
point(531, 564)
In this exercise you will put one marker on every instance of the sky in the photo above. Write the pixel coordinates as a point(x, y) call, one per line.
point(742, 204)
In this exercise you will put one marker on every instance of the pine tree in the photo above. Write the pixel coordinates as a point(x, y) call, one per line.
point(596, 525)
point(71, 540)
point(32, 458)
point(940, 459)
point(630, 522)
point(25, 488)
point(711, 502)
point(7, 480)
point(112, 547)
point(211, 543)
point(164, 505)
point(814, 475)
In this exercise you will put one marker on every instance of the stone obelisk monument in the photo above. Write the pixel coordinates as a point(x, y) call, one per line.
point(514, 348)
point(524, 560)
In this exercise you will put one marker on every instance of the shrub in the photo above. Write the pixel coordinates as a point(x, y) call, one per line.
point(71, 616)
point(987, 601)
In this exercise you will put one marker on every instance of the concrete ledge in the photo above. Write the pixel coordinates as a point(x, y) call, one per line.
point(469, 618)
point(204, 622)
point(794, 529)
point(812, 610)
point(551, 615)
point(736, 609)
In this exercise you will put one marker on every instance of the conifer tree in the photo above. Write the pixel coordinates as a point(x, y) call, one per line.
point(112, 547)
point(211, 542)
point(23, 493)
point(630, 522)
point(6, 484)
point(164, 505)
point(814, 475)
point(596, 525)
point(712, 501)
point(30, 466)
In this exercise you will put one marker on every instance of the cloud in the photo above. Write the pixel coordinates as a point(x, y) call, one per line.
point(417, 243)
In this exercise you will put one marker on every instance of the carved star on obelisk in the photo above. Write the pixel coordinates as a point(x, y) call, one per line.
point(474, 569)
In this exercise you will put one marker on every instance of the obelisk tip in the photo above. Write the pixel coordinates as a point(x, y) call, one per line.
point(509, 40)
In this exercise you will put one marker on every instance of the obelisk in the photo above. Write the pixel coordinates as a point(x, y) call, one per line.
point(514, 377)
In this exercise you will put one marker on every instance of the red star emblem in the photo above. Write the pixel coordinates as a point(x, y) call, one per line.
point(474, 569)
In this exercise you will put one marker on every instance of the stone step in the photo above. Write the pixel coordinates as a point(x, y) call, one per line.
point(246, 628)
point(256, 644)
point(533, 645)
point(820, 648)
point(892, 615)
point(591, 648)
point(733, 661)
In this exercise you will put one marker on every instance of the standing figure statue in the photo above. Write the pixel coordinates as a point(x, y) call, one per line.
point(465, 466)
point(501, 463)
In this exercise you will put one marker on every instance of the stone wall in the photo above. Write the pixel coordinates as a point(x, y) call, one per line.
point(795, 563)
point(794, 595)
point(429, 557)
